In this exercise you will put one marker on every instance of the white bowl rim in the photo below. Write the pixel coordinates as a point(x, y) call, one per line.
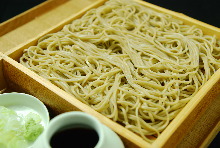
point(34, 102)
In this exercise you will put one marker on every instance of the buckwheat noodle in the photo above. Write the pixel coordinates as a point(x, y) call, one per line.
point(132, 64)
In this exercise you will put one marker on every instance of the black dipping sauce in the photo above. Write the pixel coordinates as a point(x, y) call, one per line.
point(75, 137)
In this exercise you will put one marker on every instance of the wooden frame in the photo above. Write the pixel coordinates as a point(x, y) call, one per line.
point(15, 76)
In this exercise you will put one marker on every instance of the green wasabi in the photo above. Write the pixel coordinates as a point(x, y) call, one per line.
point(33, 128)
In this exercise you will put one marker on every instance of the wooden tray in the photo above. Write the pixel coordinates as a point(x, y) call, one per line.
point(196, 125)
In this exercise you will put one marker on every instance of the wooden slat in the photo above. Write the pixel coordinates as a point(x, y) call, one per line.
point(207, 127)
point(28, 15)
point(207, 141)
point(17, 51)
point(33, 26)
point(2, 79)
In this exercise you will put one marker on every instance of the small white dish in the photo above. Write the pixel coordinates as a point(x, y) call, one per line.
point(23, 104)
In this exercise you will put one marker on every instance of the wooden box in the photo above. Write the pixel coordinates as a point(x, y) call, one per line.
point(196, 125)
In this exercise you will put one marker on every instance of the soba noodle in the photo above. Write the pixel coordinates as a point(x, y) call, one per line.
point(135, 66)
